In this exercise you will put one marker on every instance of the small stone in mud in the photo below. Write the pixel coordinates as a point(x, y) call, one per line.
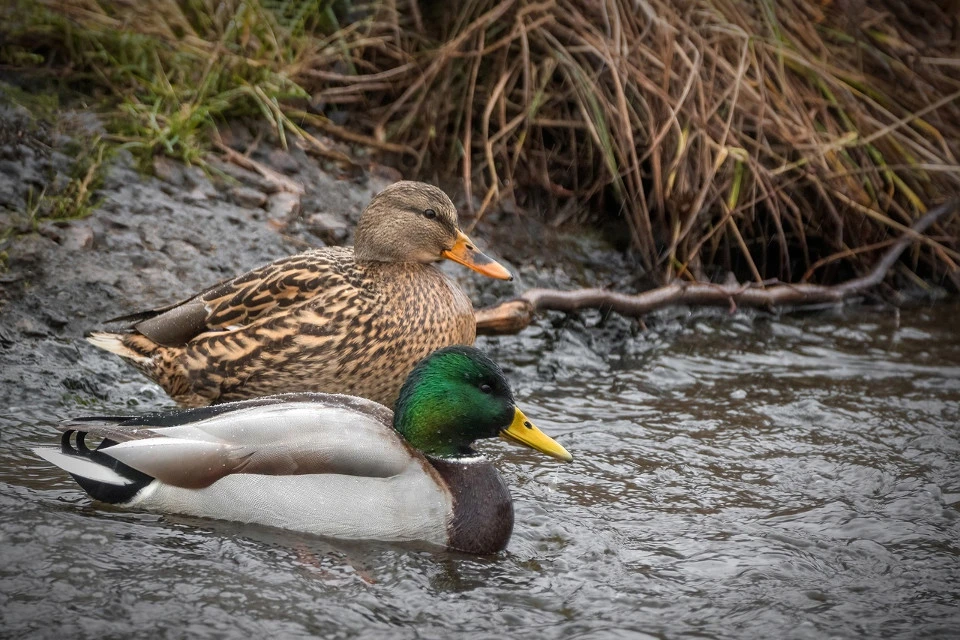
point(284, 206)
point(168, 170)
point(49, 230)
point(150, 236)
point(330, 227)
point(202, 189)
point(196, 195)
point(55, 320)
point(76, 237)
point(248, 198)
point(30, 327)
point(283, 161)
point(181, 252)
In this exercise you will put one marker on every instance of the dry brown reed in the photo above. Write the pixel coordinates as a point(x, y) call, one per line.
point(779, 137)
point(794, 139)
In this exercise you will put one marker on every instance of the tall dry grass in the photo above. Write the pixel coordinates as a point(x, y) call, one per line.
point(792, 139)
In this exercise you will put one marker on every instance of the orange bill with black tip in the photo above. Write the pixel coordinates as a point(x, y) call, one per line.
point(468, 255)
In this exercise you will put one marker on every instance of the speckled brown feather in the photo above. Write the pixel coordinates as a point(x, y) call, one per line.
point(313, 322)
point(329, 320)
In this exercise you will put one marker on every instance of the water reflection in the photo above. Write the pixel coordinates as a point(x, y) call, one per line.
point(743, 476)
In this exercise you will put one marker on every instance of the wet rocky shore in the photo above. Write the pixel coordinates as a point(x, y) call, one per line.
point(154, 239)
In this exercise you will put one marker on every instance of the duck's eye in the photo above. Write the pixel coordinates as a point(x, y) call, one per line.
point(430, 214)
point(486, 388)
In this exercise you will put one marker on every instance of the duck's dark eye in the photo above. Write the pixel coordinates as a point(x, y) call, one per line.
point(430, 214)
point(486, 388)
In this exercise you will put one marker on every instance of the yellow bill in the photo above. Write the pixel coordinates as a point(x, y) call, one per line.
point(468, 255)
point(523, 432)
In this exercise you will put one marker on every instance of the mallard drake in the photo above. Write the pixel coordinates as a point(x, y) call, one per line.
point(332, 465)
point(337, 319)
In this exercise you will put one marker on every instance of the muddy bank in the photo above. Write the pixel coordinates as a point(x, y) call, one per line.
point(155, 239)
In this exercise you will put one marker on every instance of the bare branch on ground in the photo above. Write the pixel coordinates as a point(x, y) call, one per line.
point(514, 315)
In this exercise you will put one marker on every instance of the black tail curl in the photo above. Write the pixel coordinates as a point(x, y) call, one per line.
point(102, 491)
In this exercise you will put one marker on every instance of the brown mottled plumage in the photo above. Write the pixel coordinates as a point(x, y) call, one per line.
point(337, 320)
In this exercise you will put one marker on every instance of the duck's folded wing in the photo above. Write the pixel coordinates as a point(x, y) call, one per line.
point(303, 434)
point(239, 301)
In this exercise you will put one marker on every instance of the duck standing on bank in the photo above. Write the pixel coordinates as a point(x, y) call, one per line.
point(325, 464)
point(351, 320)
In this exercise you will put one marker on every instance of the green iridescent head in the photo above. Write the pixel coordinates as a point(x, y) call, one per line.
point(456, 396)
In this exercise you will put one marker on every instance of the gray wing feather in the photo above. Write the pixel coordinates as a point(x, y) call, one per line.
point(288, 438)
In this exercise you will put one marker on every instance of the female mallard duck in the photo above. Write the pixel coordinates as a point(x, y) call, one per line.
point(324, 464)
point(338, 319)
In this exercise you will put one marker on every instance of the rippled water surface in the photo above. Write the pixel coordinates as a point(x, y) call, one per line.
point(735, 476)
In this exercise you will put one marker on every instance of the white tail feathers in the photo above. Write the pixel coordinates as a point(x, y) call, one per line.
point(82, 467)
point(113, 342)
